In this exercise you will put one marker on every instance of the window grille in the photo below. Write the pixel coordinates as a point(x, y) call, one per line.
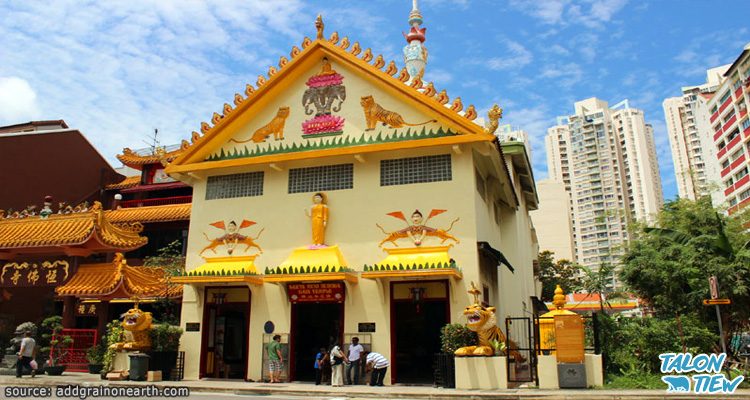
point(236, 185)
point(404, 171)
point(327, 177)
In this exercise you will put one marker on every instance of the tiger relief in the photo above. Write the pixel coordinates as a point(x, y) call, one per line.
point(374, 113)
point(275, 128)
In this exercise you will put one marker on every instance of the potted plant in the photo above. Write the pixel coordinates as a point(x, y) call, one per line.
point(165, 342)
point(95, 357)
point(57, 345)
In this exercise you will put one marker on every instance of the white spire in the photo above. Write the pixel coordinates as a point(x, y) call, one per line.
point(415, 53)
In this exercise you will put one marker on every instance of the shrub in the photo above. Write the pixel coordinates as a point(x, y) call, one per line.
point(115, 333)
point(56, 344)
point(95, 354)
point(165, 337)
point(455, 336)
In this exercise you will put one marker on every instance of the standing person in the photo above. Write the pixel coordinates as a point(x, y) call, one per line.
point(322, 354)
point(378, 364)
point(337, 366)
point(355, 354)
point(26, 354)
point(275, 359)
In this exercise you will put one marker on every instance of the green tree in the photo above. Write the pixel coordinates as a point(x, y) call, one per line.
point(172, 261)
point(669, 266)
point(598, 281)
point(561, 272)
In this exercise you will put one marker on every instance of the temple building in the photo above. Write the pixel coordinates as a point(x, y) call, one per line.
point(341, 196)
point(70, 245)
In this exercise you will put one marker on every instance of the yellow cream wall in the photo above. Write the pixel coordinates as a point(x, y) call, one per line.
point(353, 215)
point(513, 237)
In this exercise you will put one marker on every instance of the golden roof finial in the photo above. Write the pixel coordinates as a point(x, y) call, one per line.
point(474, 292)
point(319, 26)
point(559, 299)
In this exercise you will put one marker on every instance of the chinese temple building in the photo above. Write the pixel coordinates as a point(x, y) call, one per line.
point(156, 200)
point(341, 196)
point(44, 251)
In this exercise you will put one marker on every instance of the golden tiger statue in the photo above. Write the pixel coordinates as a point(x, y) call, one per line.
point(374, 113)
point(483, 321)
point(275, 128)
point(137, 324)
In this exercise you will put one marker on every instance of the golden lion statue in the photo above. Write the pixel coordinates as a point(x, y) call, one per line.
point(137, 324)
point(483, 321)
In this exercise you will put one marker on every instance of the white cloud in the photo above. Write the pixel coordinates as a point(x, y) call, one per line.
point(565, 75)
point(17, 100)
point(589, 13)
point(515, 57)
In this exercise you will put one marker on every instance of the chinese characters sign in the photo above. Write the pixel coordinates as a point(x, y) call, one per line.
point(46, 273)
point(86, 309)
point(316, 292)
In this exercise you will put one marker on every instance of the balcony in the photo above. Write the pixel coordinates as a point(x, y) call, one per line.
point(721, 153)
point(733, 143)
point(729, 123)
point(726, 104)
point(746, 133)
point(738, 93)
point(718, 134)
point(725, 171)
point(740, 183)
point(156, 202)
point(737, 162)
point(714, 116)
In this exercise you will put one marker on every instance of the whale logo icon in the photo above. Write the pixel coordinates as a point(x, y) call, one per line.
point(676, 383)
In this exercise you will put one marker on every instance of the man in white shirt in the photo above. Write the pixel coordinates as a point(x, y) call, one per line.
point(355, 356)
point(26, 354)
point(378, 364)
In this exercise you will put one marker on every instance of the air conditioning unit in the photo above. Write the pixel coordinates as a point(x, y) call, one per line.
point(571, 376)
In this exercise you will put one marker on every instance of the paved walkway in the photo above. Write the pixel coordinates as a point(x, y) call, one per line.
point(362, 391)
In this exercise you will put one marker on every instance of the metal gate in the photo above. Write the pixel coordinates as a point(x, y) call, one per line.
point(74, 356)
point(521, 356)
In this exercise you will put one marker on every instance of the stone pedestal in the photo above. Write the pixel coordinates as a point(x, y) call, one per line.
point(122, 362)
point(594, 370)
point(547, 370)
point(481, 373)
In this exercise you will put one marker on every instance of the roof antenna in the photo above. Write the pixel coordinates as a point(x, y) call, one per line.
point(153, 142)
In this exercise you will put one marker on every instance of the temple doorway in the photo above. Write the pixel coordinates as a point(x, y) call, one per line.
point(225, 335)
point(314, 325)
point(418, 311)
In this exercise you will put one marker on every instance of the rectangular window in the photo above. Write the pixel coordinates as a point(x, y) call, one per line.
point(404, 171)
point(236, 185)
point(724, 97)
point(327, 177)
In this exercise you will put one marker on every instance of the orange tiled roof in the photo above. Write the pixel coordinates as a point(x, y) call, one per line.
point(128, 182)
point(59, 230)
point(118, 279)
point(137, 161)
point(165, 213)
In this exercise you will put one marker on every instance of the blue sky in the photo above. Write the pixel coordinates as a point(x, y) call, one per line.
point(117, 70)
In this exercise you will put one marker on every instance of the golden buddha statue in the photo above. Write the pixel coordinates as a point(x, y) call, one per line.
point(318, 213)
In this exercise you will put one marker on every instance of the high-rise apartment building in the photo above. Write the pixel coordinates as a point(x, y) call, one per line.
point(606, 159)
point(691, 138)
point(730, 130)
point(553, 216)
